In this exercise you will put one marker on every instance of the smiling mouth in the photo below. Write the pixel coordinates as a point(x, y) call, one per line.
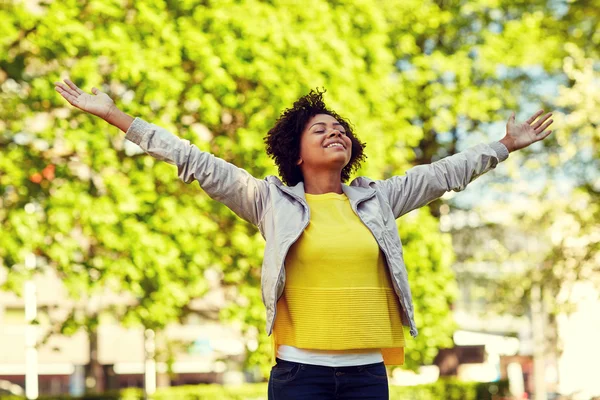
point(335, 145)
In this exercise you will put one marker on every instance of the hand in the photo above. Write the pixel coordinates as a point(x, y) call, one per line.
point(522, 135)
point(99, 104)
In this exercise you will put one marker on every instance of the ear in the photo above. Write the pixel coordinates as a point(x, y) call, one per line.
point(299, 161)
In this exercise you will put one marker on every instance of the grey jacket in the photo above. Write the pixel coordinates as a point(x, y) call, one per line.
point(281, 212)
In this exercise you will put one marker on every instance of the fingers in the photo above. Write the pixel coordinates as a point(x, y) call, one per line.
point(511, 119)
point(66, 89)
point(543, 127)
point(539, 122)
point(534, 116)
point(544, 135)
point(73, 86)
point(66, 93)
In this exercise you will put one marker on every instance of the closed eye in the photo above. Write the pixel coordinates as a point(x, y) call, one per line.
point(342, 132)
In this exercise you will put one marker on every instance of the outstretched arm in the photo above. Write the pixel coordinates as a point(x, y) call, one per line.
point(224, 182)
point(425, 183)
point(98, 104)
point(521, 135)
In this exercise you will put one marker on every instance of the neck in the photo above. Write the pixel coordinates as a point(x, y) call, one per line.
point(322, 182)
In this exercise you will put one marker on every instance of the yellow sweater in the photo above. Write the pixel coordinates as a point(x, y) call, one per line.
point(338, 293)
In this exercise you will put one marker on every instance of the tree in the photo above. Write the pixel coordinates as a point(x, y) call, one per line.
point(552, 218)
point(563, 210)
point(104, 218)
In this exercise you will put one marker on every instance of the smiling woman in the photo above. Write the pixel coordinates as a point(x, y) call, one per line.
point(334, 282)
point(301, 131)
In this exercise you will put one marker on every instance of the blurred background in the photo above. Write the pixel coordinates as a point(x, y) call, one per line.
point(116, 275)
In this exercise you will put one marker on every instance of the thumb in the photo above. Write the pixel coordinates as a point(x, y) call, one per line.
point(511, 119)
point(94, 90)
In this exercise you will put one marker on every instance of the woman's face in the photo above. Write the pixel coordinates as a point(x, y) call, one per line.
point(324, 144)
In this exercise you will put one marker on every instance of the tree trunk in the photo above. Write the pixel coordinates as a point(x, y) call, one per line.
point(539, 343)
point(94, 376)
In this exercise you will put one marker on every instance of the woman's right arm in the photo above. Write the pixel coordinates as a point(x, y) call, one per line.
point(222, 181)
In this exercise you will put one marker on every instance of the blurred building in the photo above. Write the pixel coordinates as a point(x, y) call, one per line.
point(490, 345)
point(205, 351)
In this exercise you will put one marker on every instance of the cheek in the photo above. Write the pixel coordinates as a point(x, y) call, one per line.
point(304, 146)
point(349, 146)
point(308, 149)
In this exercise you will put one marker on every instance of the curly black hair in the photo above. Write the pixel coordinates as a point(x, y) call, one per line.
point(283, 140)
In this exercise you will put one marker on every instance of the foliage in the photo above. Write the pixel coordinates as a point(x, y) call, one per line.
point(463, 65)
point(77, 199)
point(566, 218)
point(431, 281)
point(550, 221)
point(418, 79)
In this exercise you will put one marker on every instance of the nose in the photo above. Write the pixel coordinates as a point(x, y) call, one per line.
point(335, 132)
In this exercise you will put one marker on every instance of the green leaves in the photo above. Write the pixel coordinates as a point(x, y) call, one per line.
point(103, 220)
point(428, 256)
point(414, 77)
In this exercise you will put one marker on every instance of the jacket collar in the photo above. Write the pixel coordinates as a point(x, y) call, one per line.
point(356, 194)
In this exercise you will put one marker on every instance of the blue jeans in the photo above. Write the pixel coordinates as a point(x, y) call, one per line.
point(294, 381)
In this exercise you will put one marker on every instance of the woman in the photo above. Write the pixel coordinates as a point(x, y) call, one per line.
point(334, 282)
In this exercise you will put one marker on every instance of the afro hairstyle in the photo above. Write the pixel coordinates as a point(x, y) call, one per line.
point(283, 140)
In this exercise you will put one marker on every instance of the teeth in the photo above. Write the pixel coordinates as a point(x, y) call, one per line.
point(334, 144)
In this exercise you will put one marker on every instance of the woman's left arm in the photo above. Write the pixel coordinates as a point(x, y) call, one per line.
point(425, 183)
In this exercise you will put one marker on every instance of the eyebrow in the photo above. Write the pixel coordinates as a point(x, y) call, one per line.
point(323, 123)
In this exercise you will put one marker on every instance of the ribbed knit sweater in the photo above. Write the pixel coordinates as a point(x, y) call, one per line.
point(338, 294)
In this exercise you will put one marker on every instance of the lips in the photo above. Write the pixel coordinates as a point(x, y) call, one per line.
point(335, 142)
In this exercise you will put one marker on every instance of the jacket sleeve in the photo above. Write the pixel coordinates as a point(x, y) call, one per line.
point(237, 189)
point(425, 183)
